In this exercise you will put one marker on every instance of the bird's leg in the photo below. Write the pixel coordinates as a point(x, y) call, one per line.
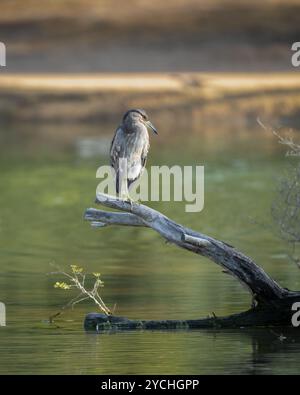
point(124, 195)
point(123, 186)
point(130, 202)
point(128, 199)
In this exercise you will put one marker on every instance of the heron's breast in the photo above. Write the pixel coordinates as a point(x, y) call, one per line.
point(136, 143)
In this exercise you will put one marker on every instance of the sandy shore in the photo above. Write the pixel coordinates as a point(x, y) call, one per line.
point(203, 97)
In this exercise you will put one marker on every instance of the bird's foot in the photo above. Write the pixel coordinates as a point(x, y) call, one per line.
point(130, 201)
point(127, 198)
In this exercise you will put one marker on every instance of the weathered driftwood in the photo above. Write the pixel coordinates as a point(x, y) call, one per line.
point(272, 304)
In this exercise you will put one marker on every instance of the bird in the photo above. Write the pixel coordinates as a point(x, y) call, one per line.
point(129, 149)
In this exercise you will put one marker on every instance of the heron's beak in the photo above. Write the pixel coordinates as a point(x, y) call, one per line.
point(150, 125)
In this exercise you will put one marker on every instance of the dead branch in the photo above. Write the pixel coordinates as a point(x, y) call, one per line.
point(266, 293)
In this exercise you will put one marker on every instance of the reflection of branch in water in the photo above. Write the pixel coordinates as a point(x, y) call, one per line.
point(266, 343)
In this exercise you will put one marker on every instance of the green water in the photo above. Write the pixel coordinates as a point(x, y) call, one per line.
point(47, 183)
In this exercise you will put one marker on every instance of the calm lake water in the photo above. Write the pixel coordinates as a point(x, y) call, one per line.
point(48, 179)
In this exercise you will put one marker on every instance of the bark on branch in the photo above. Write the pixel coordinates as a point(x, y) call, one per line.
point(271, 302)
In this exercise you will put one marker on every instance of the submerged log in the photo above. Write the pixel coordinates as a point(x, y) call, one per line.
point(272, 304)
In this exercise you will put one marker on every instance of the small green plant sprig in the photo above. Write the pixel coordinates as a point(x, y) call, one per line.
point(77, 279)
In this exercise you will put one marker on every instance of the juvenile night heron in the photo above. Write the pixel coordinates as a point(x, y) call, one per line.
point(129, 149)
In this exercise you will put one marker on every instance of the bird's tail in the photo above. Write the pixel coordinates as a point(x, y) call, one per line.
point(117, 182)
point(129, 182)
point(121, 184)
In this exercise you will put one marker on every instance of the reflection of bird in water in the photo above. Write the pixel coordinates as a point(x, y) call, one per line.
point(129, 149)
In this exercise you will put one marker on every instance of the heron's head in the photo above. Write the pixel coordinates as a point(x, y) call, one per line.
point(134, 117)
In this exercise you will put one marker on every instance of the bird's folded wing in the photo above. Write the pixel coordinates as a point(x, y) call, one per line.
point(117, 148)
